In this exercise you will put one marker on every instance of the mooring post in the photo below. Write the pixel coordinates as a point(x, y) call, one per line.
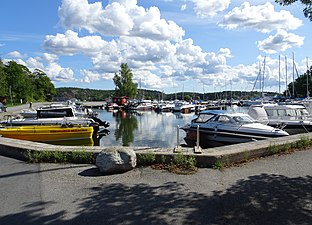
point(178, 147)
point(197, 148)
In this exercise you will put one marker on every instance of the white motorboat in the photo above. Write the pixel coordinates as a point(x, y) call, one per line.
point(183, 107)
point(164, 107)
point(293, 118)
point(218, 127)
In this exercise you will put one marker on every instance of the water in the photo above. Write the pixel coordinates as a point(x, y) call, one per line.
point(143, 129)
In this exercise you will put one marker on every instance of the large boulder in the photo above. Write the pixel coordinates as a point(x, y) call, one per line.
point(116, 160)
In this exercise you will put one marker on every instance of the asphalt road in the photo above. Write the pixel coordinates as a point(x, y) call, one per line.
point(273, 190)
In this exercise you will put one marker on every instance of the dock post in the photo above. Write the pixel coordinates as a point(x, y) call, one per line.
point(178, 147)
point(197, 148)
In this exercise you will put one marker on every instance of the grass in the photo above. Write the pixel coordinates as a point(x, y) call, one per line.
point(178, 164)
point(77, 156)
point(218, 165)
point(147, 158)
point(301, 144)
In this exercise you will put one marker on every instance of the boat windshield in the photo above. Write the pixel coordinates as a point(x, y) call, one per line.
point(243, 119)
point(202, 118)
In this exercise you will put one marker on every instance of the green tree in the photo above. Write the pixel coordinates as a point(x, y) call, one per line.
point(187, 98)
point(18, 81)
point(307, 11)
point(3, 81)
point(45, 89)
point(123, 82)
point(300, 84)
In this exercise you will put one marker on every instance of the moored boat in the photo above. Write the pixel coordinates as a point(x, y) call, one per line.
point(293, 118)
point(217, 127)
point(48, 132)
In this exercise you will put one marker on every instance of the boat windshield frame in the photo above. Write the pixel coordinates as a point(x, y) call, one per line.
point(224, 118)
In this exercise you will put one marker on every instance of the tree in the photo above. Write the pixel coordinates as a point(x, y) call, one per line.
point(301, 84)
point(18, 81)
point(43, 86)
point(187, 98)
point(307, 11)
point(123, 82)
point(3, 81)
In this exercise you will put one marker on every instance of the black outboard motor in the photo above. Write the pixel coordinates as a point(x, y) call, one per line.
point(101, 123)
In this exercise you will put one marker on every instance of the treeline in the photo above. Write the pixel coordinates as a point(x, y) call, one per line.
point(18, 84)
point(66, 93)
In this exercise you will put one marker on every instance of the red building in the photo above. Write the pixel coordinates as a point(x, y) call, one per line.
point(120, 101)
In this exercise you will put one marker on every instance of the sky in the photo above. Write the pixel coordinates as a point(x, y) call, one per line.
point(169, 45)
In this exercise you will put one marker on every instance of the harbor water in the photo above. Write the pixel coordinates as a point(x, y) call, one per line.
point(143, 128)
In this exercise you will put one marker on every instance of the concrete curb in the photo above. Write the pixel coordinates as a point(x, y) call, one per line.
point(226, 154)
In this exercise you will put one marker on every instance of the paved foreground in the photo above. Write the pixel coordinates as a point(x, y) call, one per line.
point(274, 190)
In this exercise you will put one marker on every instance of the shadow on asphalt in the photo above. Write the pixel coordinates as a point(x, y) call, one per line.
point(261, 199)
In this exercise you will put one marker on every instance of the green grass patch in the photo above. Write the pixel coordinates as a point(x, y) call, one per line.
point(76, 156)
point(218, 165)
point(146, 159)
point(182, 164)
point(303, 143)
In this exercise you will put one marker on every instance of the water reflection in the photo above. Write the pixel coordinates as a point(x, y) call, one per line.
point(126, 123)
point(138, 129)
point(144, 128)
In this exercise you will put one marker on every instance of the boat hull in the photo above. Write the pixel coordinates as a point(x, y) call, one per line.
point(214, 138)
point(47, 133)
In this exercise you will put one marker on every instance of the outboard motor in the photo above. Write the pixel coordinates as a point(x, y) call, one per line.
point(100, 122)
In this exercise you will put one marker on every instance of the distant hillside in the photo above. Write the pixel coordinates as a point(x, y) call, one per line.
point(66, 93)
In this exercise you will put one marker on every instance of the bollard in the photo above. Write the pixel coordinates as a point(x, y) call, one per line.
point(178, 147)
point(197, 148)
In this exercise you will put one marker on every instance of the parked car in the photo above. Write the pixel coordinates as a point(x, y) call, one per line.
point(2, 107)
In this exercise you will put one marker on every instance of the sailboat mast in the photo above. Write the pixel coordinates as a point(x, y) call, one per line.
point(293, 83)
point(263, 76)
point(279, 74)
point(286, 90)
point(308, 94)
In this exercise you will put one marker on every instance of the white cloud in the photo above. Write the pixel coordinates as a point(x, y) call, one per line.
point(280, 42)
point(118, 18)
point(49, 57)
point(34, 63)
point(70, 44)
point(262, 18)
point(59, 74)
point(90, 76)
point(16, 54)
point(183, 7)
point(210, 8)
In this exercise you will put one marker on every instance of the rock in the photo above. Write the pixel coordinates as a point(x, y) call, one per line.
point(116, 160)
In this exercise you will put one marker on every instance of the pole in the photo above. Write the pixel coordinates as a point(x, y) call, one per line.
point(308, 94)
point(178, 147)
point(293, 83)
point(263, 76)
point(286, 90)
point(279, 74)
point(197, 148)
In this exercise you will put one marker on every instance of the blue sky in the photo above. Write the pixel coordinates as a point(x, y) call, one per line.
point(181, 45)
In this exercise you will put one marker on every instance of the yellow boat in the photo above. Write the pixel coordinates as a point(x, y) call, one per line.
point(48, 132)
